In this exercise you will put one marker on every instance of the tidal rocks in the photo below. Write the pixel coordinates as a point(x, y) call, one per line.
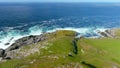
point(14, 48)
point(26, 41)
point(7, 43)
point(2, 52)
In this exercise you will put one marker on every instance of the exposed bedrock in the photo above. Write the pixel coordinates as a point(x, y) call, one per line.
point(6, 54)
point(26, 41)
point(107, 33)
point(2, 52)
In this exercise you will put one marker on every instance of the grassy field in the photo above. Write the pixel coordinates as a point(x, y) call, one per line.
point(58, 52)
point(53, 54)
point(101, 52)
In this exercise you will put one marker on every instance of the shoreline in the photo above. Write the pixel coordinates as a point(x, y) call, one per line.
point(17, 50)
point(86, 32)
point(103, 33)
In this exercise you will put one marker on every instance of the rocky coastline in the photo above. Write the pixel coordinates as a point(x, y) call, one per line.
point(6, 54)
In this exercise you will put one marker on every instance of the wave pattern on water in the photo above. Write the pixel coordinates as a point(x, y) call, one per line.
point(86, 26)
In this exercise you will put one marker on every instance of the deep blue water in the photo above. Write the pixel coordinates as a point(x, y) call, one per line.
point(16, 14)
point(22, 19)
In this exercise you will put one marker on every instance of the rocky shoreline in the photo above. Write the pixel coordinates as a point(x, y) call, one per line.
point(108, 33)
point(5, 54)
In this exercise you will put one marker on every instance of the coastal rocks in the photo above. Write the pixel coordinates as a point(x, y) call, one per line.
point(7, 43)
point(2, 55)
point(2, 52)
point(107, 33)
point(15, 50)
point(103, 34)
point(26, 41)
point(111, 32)
point(0, 58)
point(11, 55)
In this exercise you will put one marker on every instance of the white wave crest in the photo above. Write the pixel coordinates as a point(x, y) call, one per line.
point(12, 36)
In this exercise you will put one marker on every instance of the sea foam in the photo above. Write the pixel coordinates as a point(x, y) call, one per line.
point(9, 37)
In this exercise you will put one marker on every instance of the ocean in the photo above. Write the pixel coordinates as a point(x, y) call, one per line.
point(18, 20)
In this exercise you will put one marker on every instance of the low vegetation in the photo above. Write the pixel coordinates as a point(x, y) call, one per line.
point(63, 50)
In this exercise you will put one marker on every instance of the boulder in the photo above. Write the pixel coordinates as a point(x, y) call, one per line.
point(7, 43)
point(104, 34)
point(7, 58)
point(70, 54)
point(2, 52)
point(107, 33)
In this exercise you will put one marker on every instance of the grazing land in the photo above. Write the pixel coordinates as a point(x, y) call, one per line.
point(62, 50)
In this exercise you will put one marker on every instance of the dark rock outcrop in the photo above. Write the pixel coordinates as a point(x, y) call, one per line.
point(9, 52)
point(7, 58)
point(75, 48)
point(110, 32)
point(107, 33)
point(7, 43)
point(103, 34)
point(2, 53)
point(26, 41)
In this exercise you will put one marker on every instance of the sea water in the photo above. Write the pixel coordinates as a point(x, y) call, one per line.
point(18, 20)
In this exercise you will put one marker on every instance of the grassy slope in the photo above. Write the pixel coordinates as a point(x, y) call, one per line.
point(97, 52)
point(103, 52)
point(53, 54)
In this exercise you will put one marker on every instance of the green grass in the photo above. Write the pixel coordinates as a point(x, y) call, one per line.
point(57, 53)
point(16, 63)
point(117, 32)
point(104, 52)
point(101, 53)
point(54, 54)
point(112, 46)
